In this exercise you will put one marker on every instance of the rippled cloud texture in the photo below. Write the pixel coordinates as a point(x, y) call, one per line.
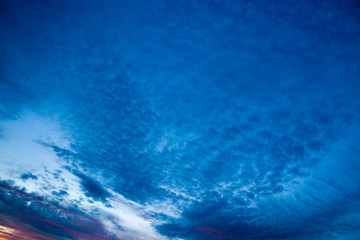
point(179, 120)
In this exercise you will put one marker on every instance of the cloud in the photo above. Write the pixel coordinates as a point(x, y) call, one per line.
point(26, 176)
point(92, 188)
point(52, 222)
point(54, 185)
point(197, 120)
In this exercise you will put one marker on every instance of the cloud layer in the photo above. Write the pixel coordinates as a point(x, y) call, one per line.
point(179, 120)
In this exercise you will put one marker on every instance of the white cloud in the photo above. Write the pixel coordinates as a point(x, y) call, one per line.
point(21, 152)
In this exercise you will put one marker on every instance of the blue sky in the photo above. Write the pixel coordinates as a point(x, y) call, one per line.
point(184, 120)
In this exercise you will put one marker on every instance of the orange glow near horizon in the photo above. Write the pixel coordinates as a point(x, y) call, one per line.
point(12, 232)
point(8, 233)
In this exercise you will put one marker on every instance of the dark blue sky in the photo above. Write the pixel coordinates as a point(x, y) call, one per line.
point(183, 120)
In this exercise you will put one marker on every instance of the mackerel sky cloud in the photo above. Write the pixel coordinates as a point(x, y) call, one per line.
point(183, 120)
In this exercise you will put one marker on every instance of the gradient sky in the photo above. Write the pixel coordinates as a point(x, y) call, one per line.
point(183, 120)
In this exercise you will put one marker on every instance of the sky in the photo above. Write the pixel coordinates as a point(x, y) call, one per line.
point(182, 120)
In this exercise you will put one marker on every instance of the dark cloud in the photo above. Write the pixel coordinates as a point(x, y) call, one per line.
point(26, 176)
point(92, 188)
point(60, 193)
point(34, 217)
